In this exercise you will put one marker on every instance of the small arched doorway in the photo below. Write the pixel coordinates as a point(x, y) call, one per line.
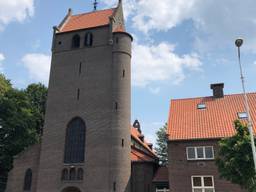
point(71, 189)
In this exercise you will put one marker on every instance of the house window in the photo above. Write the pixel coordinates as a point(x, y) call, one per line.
point(242, 115)
point(76, 41)
point(75, 141)
point(201, 106)
point(27, 180)
point(200, 153)
point(162, 189)
point(202, 184)
point(88, 41)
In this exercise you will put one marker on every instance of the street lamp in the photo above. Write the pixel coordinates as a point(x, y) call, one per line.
point(239, 43)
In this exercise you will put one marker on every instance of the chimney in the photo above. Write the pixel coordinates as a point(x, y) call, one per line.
point(217, 90)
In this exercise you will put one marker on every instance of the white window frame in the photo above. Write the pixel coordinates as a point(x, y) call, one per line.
point(202, 182)
point(162, 190)
point(204, 154)
point(241, 115)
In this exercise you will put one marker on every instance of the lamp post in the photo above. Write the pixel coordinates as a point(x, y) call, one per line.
point(239, 43)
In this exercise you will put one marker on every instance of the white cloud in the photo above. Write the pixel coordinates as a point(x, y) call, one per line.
point(159, 63)
point(38, 66)
point(2, 58)
point(161, 15)
point(129, 6)
point(216, 23)
point(15, 10)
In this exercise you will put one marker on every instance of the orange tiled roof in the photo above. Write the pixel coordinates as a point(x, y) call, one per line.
point(87, 20)
point(186, 122)
point(135, 134)
point(137, 155)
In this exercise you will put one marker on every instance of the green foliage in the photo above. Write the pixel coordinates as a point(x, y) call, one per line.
point(161, 145)
point(235, 160)
point(5, 84)
point(37, 95)
point(18, 126)
point(21, 121)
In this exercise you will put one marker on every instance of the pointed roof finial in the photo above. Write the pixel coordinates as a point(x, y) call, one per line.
point(95, 5)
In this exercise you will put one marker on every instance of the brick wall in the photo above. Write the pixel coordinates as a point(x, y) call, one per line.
point(181, 170)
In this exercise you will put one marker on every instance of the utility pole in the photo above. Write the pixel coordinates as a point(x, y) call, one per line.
point(239, 43)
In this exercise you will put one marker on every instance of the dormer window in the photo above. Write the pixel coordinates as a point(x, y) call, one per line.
point(201, 106)
point(88, 41)
point(242, 115)
point(76, 41)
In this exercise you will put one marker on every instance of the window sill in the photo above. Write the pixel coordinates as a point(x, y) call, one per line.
point(200, 159)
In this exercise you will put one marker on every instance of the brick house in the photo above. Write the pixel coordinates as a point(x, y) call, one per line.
point(195, 126)
point(146, 174)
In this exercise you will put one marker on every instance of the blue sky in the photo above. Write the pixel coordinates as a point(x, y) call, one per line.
point(180, 47)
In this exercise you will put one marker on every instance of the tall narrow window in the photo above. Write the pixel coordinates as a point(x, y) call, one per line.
point(122, 142)
point(72, 174)
point(123, 73)
point(80, 68)
point(64, 175)
point(75, 141)
point(28, 180)
point(116, 106)
point(78, 94)
point(80, 174)
point(88, 40)
point(114, 186)
point(76, 41)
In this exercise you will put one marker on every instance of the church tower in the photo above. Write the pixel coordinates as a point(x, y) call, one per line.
point(86, 141)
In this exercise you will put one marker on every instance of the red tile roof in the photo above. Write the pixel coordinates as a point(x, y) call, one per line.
point(186, 122)
point(135, 134)
point(137, 155)
point(87, 20)
point(161, 175)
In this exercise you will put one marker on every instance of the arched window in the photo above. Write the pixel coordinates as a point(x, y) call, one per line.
point(72, 174)
point(80, 174)
point(88, 40)
point(27, 180)
point(75, 141)
point(64, 175)
point(76, 41)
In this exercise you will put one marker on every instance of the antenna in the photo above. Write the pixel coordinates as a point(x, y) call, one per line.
point(95, 5)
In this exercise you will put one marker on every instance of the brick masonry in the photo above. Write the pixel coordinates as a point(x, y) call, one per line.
point(181, 170)
point(102, 85)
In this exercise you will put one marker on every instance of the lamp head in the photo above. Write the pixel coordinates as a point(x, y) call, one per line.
point(239, 42)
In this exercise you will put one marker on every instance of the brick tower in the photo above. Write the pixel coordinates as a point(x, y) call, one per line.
point(86, 141)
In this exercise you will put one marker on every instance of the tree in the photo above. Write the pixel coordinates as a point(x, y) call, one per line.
point(161, 145)
point(21, 121)
point(37, 95)
point(5, 85)
point(235, 160)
